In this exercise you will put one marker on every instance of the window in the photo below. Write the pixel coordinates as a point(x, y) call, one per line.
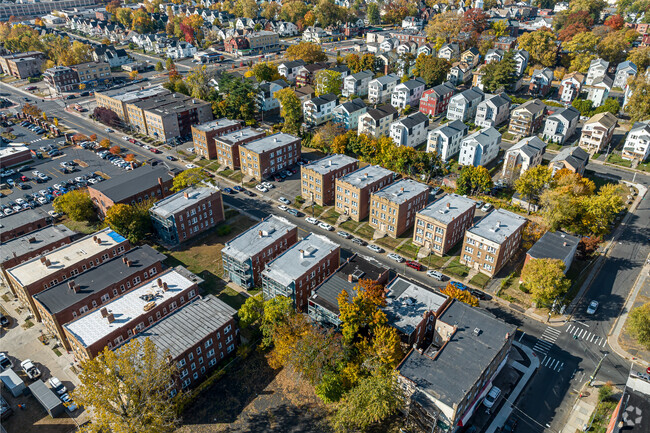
point(190, 356)
point(229, 339)
point(208, 343)
point(198, 350)
point(210, 353)
point(231, 348)
point(212, 362)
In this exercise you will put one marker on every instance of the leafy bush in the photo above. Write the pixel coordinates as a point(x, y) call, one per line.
point(224, 230)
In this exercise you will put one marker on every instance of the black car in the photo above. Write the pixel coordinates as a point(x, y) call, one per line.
point(249, 193)
point(480, 295)
point(509, 426)
point(70, 97)
point(359, 242)
point(4, 320)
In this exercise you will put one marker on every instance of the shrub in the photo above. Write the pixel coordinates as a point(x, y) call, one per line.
point(605, 392)
point(224, 230)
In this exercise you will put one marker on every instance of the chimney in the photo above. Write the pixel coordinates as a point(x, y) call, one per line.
point(186, 195)
point(261, 233)
point(401, 190)
point(43, 259)
point(135, 330)
point(32, 240)
point(48, 262)
point(448, 206)
point(365, 175)
point(95, 239)
point(160, 184)
point(110, 318)
point(350, 278)
point(159, 282)
point(124, 259)
point(98, 240)
point(497, 225)
point(566, 244)
point(71, 284)
point(302, 254)
point(128, 263)
point(104, 312)
point(329, 163)
point(165, 287)
point(76, 288)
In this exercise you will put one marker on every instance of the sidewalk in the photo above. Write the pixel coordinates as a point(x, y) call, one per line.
point(582, 410)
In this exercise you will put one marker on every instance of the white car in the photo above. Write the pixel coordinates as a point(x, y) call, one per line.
point(191, 165)
point(284, 201)
point(54, 214)
point(57, 386)
point(312, 220)
point(36, 173)
point(261, 188)
point(268, 185)
point(593, 306)
point(326, 226)
point(42, 193)
point(20, 201)
point(5, 362)
point(396, 257)
point(30, 369)
point(374, 248)
point(56, 186)
point(435, 274)
point(42, 200)
point(486, 207)
point(125, 138)
point(492, 397)
point(283, 207)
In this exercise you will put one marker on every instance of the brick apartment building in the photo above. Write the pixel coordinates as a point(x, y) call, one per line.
point(21, 223)
point(491, 242)
point(186, 214)
point(203, 135)
point(393, 208)
point(35, 275)
point(318, 178)
point(136, 186)
point(227, 146)
point(262, 158)
point(22, 65)
point(128, 314)
point(246, 256)
point(118, 99)
point(61, 79)
point(353, 190)
point(89, 290)
point(297, 271)
point(92, 71)
point(439, 226)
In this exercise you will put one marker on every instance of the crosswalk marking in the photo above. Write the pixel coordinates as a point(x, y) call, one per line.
point(552, 363)
point(587, 336)
point(545, 342)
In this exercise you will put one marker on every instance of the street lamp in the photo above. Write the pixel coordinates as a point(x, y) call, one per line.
point(593, 376)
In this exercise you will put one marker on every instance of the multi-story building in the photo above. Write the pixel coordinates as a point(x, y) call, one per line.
point(203, 136)
point(145, 183)
point(227, 145)
point(439, 226)
point(380, 89)
point(492, 111)
point(527, 118)
point(393, 208)
point(307, 73)
point(91, 289)
point(22, 223)
point(35, 275)
point(267, 102)
point(168, 116)
point(407, 93)
point(570, 86)
point(463, 106)
point(445, 140)
point(38, 9)
point(117, 100)
point(357, 84)
point(347, 114)
point(597, 132)
point(319, 177)
point(376, 121)
point(296, 272)
point(480, 148)
point(263, 41)
point(186, 214)
point(91, 72)
point(624, 71)
point(540, 82)
point(320, 109)
point(61, 79)
point(491, 242)
point(245, 256)
point(561, 125)
point(196, 337)
point(637, 142)
point(556, 246)
point(128, 314)
point(22, 65)
point(353, 190)
point(471, 57)
point(527, 153)
point(454, 332)
point(449, 51)
point(459, 74)
point(597, 69)
point(521, 61)
point(266, 156)
point(435, 101)
point(289, 70)
point(598, 91)
point(410, 130)
point(570, 158)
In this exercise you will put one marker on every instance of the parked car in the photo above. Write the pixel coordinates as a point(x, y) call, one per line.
point(435, 274)
point(479, 295)
point(57, 386)
point(284, 201)
point(492, 397)
point(293, 212)
point(487, 207)
point(343, 234)
point(228, 190)
point(283, 207)
point(68, 402)
point(593, 306)
point(360, 242)
point(261, 188)
point(4, 320)
point(312, 220)
point(415, 265)
point(396, 257)
point(5, 362)
point(326, 226)
point(375, 248)
point(458, 285)
point(30, 369)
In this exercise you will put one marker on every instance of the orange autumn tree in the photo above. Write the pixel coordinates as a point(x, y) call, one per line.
point(462, 295)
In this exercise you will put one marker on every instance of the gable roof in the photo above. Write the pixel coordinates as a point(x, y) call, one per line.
point(574, 156)
point(530, 146)
point(130, 183)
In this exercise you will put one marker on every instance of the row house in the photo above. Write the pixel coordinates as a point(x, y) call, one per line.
point(464, 105)
point(561, 125)
point(245, 256)
point(354, 189)
point(527, 118)
point(203, 136)
point(320, 110)
point(357, 84)
point(393, 208)
point(410, 131)
point(227, 145)
point(407, 93)
point(347, 114)
point(570, 87)
point(480, 148)
point(492, 111)
point(380, 89)
point(318, 178)
point(527, 153)
point(445, 140)
point(637, 142)
point(435, 101)
point(597, 132)
point(376, 121)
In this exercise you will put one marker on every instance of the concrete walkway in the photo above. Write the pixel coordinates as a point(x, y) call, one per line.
point(583, 408)
point(528, 372)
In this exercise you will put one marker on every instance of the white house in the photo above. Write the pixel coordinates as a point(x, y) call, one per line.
point(266, 96)
point(597, 69)
point(410, 131)
point(445, 139)
point(357, 84)
point(521, 59)
point(637, 142)
point(115, 57)
point(320, 109)
point(599, 90)
point(624, 71)
point(408, 93)
point(313, 34)
point(480, 147)
point(492, 111)
point(570, 86)
point(180, 50)
point(380, 89)
point(460, 73)
point(376, 121)
point(463, 106)
point(561, 125)
point(289, 70)
point(449, 51)
point(412, 23)
point(525, 154)
point(494, 55)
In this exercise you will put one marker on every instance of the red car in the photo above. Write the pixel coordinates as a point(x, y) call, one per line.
point(132, 140)
point(24, 178)
point(154, 150)
point(415, 265)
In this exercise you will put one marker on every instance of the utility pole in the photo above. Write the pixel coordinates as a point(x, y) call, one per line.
point(593, 376)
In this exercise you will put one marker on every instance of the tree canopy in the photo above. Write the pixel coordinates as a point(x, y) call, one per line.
point(291, 110)
point(308, 52)
point(541, 45)
point(473, 180)
point(499, 75)
point(76, 204)
point(189, 177)
point(545, 280)
point(131, 221)
point(638, 324)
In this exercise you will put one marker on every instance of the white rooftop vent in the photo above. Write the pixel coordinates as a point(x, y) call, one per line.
point(477, 331)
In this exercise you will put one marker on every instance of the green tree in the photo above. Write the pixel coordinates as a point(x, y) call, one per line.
point(501, 74)
point(562, 205)
point(276, 313)
point(638, 106)
point(291, 110)
point(432, 70)
point(251, 311)
point(473, 180)
point(127, 389)
point(373, 14)
point(610, 105)
point(594, 7)
point(189, 177)
point(327, 13)
point(266, 71)
point(541, 45)
point(584, 106)
point(614, 47)
point(294, 11)
point(582, 49)
point(640, 56)
point(309, 52)
point(76, 204)
point(331, 387)
point(445, 26)
point(545, 280)
point(159, 66)
point(328, 82)
point(197, 82)
point(124, 16)
point(601, 209)
point(532, 182)
point(270, 10)
point(239, 98)
point(131, 221)
point(638, 324)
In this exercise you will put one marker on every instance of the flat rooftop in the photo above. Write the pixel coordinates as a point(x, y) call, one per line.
point(168, 104)
point(271, 143)
point(447, 208)
point(300, 258)
point(406, 303)
point(237, 137)
point(214, 125)
point(127, 185)
point(182, 329)
point(554, 245)
point(330, 163)
point(20, 219)
point(401, 191)
point(60, 297)
point(34, 241)
point(498, 225)
point(365, 176)
point(181, 200)
point(126, 309)
point(257, 238)
point(33, 270)
point(447, 373)
point(129, 95)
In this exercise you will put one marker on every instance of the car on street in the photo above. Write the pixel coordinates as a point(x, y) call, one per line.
point(57, 386)
point(492, 397)
point(283, 207)
point(359, 241)
point(510, 425)
point(396, 257)
point(268, 185)
point(479, 295)
point(5, 362)
point(238, 188)
point(190, 165)
point(171, 158)
point(261, 188)
point(435, 274)
point(109, 130)
point(414, 265)
point(312, 220)
point(30, 369)
point(343, 234)
point(592, 307)
point(458, 285)
point(375, 248)
point(293, 212)
point(326, 226)
point(250, 193)
point(284, 201)
point(486, 207)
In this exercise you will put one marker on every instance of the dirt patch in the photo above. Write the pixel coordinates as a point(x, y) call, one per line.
point(33, 418)
point(255, 398)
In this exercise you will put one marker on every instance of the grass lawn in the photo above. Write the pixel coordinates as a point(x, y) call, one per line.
point(602, 415)
point(617, 159)
point(433, 261)
point(457, 269)
point(508, 136)
point(330, 217)
point(644, 167)
point(203, 257)
point(226, 173)
point(317, 209)
point(480, 280)
point(408, 250)
point(237, 176)
point(554, 146)
point(366, 232)
point(83, 227)
point(388, 242)
point(350, 226)
point(209, 164)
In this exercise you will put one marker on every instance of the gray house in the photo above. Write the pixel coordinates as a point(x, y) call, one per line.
point(493, 110)
point(463, 106)
point(561, 125)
